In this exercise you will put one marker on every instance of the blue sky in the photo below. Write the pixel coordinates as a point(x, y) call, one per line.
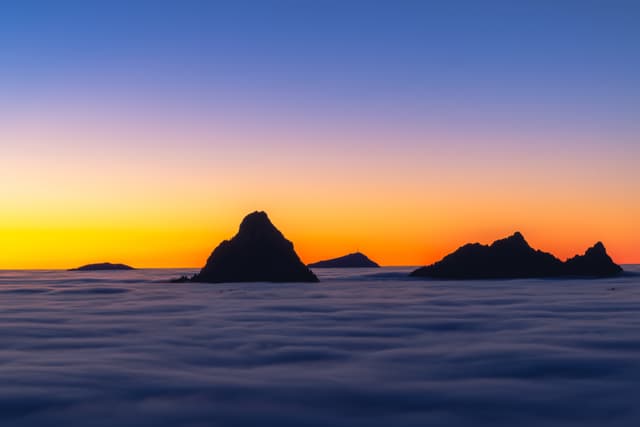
point(560, 57)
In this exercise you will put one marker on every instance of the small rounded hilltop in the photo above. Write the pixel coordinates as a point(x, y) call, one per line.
point(102, 267)
point(354, 260)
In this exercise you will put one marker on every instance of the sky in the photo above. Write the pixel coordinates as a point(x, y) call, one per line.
point(143, 131)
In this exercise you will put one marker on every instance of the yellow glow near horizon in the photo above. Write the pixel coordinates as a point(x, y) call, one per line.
point(69, 204)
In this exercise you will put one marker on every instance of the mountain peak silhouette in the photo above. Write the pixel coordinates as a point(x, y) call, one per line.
point(257, 253)
point(594, 262)
point(512, 257)
point(518, 237)
point(353, 260)
point(514, 242)
point(257, 220)
point(598, 248)
point(102, 266)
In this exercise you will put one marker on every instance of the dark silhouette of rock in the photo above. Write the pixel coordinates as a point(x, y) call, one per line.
point(103, 266)
point(182, 279)
point(595, 262)
point(354, 260)
point(513, 258)
point(258, 253)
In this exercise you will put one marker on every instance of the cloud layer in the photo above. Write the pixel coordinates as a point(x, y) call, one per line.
point(124, 348)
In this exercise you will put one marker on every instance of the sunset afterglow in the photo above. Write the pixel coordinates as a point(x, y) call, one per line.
point(147, 145)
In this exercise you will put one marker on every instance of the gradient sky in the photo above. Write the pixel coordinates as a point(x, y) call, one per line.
point(143, 131)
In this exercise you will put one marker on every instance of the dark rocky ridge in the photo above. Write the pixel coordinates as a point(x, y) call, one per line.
point(103, 266)
point(594, 262)
point(258, 253)
point(354, 260)
point(513, 258)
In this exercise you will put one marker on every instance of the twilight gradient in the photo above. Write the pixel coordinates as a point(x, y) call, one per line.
point(142, 131)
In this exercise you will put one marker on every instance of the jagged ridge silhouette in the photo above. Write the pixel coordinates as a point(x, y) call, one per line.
point(512, 257)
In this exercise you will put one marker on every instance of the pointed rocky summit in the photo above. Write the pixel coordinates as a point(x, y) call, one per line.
point(258, 253)
point(513, 258)
point(595, 263)
point(354, 260)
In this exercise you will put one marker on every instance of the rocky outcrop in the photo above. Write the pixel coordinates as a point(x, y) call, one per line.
point(594, 262)
point(354, 260)
point(102, 266)
point(512, 258)
point(258, 253)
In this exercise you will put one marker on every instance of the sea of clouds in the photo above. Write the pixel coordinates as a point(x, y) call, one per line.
point(361, 348)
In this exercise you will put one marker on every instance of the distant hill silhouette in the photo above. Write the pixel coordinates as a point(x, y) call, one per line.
point(258, 253)
point(512, 257)
point(103, 266)
point(354, 260)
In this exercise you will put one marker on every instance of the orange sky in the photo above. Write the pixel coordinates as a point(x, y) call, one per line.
point(143, 134)
point(140, 195)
